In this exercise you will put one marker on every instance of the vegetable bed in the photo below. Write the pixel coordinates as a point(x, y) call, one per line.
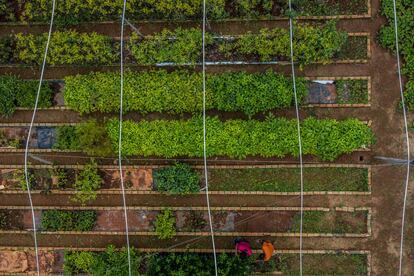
point(167, 263)
point(73, 11)
point(312, 43)
point(288, 179)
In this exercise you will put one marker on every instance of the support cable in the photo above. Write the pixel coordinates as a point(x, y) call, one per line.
point(120, 140)
point(204, 138)
point(299, 138)
point(407, 139)
point(26, 152)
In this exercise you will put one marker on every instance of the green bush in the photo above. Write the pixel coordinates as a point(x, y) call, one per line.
point(181, 92)
point(178, 46)
point(177, 179)
point(274, 137)
point(59, 220)
point(165, 225)
point(66, 47)
point(109, 263)
point(20, 93)
point(405, 14)
point(87, 183)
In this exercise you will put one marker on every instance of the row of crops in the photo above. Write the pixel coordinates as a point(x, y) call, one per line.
point(312, 43)
point(75, 11)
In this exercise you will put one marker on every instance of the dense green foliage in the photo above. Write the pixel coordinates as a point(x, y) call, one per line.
point(177, 179)
point(6, 49)
point(311, 44)
point(274, 137)
point(87, 183)
point(405, 15)
point(66, 47)
point(60, 220)
point(197, 264)
point(181, 92)
point(109, 263)
point(19, 93)
point(165, 224)
point(74, 11)
point(179, 46)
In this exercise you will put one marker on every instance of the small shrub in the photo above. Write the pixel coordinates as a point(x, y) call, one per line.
point(165, 225)
point(87, 183)
point(62, 177)
point(7, 95)
point(6, 50)
point(78, 262)
point(31, 179)
point(177, 179)
point(66, 138)
point(59, 220)
point(93, 138)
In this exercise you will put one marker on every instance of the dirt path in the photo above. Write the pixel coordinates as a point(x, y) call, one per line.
point(149, 200)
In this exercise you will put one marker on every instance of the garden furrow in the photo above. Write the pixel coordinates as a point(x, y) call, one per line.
point(113, 200)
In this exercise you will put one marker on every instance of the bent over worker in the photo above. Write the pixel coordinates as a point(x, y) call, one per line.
point(243, 248)
point(268, 250)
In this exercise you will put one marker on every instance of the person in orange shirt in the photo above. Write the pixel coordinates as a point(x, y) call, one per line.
point(268, 249)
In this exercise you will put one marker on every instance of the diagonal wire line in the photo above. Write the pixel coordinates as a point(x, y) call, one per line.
point(204, 138)
point(299, 138)
point(406, 137)
point(26, 152)
point(120, 140)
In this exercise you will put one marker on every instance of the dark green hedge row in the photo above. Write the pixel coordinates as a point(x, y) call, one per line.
point(179, 92)
point(73, 11)
point(405, 14)
point(311, 44)
point(274, 137)
point(19, 93)
point(60, 220)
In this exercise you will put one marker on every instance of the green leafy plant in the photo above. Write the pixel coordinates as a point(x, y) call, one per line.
point(66, 138)
point(165, 224)
point(60, 220)
point(6, 50)
point(180, 92)
point(66, 47)
point(31, 179)
point(273, 137)
point(177, 179)
point(87, 182)
point(61, 177)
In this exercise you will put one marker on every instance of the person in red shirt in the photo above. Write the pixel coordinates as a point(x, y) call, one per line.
point(243, 248)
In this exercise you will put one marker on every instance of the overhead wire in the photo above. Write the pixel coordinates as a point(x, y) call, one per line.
point(120, 138)
point(26, 152)
point(205, 137)
point(407, 139)
point(299, 137)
